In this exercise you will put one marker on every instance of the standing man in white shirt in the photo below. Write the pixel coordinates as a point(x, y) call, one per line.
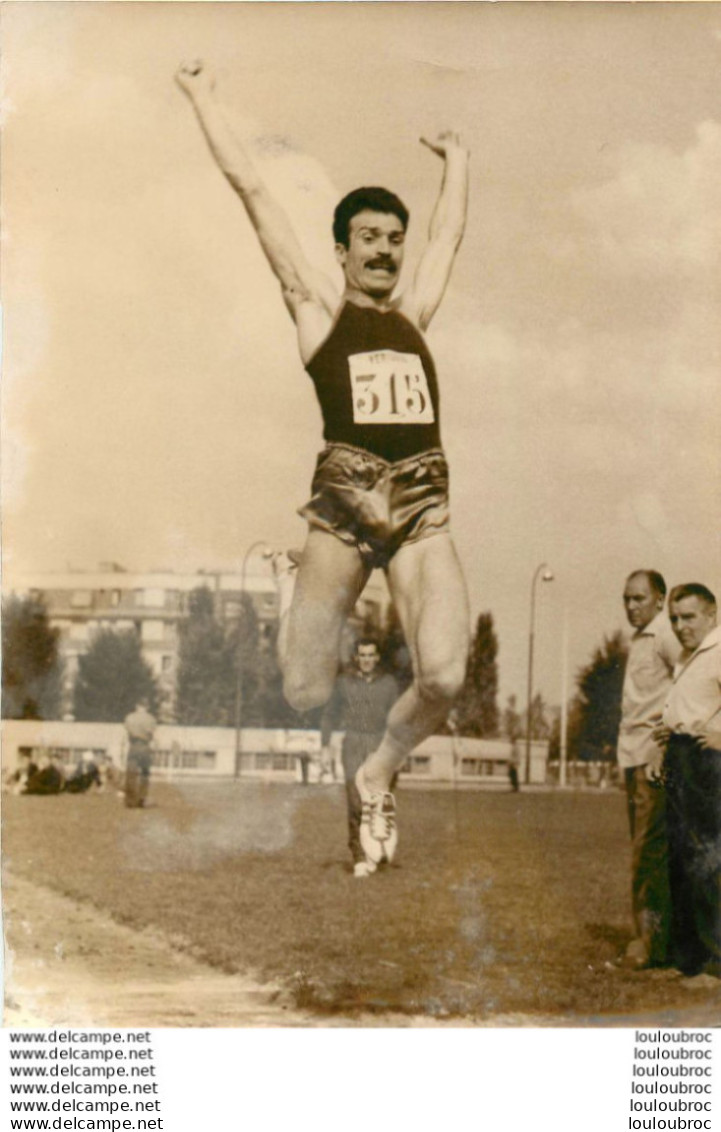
point(692, 730)
point(652, 655)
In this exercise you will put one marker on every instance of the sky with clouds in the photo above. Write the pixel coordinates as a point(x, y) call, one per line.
point(155, 412)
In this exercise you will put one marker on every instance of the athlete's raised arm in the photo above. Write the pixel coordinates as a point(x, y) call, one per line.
point(300, 282)
point(445, 234)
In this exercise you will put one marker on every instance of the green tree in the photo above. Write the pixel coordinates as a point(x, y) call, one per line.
point(512, 725)
point(600, 686)
point(540, 725)
point(31, 666)
point(207, 665)
point(261, 682)
point(112, 677)
point(477, 708)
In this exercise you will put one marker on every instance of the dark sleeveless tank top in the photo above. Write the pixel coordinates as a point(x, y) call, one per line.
point(376, 384)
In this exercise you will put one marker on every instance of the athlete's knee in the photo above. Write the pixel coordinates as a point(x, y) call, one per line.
point(441, 681)
point(304, 693)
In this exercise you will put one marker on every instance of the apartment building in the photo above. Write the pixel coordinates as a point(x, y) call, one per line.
point(154, 604)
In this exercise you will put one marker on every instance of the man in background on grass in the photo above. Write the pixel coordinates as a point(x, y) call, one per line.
point(359, 705)
point(692, 731)
point(140, 727)
point(649, 670)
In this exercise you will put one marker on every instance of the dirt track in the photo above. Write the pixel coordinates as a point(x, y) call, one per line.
point(69, 964)
point(66, 963)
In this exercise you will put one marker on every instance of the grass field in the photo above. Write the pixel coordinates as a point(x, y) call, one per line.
point(498, 903)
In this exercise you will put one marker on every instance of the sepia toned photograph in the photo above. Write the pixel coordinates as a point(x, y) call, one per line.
point(360, 515)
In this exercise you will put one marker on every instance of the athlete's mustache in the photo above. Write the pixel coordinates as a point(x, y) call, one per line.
point(382, 261)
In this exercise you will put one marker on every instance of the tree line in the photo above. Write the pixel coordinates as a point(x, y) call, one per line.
point(228, 670)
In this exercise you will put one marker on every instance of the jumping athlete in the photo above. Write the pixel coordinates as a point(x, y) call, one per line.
point(380, 490)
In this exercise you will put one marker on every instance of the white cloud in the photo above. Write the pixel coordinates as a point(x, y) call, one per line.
point(661, 212)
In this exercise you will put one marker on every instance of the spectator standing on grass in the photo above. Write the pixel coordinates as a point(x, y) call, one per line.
point(513, 763)
point(359, 705)
point(692, 731)
point(652, 655)
point(140, 727)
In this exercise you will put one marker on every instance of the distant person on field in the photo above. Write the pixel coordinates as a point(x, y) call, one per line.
point(140, 726)
point(692, 730)
point(652, 655)
point(513, 763)
point(359, 705)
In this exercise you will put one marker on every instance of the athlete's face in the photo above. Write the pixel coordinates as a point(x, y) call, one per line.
point(641, 601)
point(367, 659)
point(372, 261)
point(692, 620)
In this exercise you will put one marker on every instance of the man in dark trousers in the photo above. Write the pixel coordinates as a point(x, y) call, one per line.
point(653, 652)
point(692, 730)
point(359, 705)
point(140, 726)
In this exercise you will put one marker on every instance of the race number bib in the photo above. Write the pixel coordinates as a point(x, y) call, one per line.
point(388, 387)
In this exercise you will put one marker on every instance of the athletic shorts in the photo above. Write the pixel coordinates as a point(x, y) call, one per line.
point(375, 505)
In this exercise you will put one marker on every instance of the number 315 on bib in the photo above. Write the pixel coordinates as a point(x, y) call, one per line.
point(388, 387)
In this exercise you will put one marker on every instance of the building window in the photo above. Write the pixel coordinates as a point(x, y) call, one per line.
point(471, 766)
point(115, 597)
point(166, 664)
point(153, 630)
point(81, 599)
point(419, 764)
point(187, 760)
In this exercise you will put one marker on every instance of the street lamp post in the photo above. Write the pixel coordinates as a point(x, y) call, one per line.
point(545, 575)
point(563, 751)
point(266, 553)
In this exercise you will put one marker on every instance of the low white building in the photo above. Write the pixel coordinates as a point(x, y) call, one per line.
point(197, 752)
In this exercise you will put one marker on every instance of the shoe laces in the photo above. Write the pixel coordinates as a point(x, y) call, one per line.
point(382, 816)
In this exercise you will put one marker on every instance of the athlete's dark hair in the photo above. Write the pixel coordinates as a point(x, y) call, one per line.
point(375, 200)
point(693, 589)
point(654, 579)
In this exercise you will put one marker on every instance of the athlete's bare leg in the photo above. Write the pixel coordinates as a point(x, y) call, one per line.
point(328, 583)
point(429, 593)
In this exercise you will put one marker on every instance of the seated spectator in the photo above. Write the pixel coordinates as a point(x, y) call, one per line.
point(47, 779)
point(85, 774)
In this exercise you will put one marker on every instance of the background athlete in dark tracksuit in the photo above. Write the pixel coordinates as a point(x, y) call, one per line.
point(359, 706)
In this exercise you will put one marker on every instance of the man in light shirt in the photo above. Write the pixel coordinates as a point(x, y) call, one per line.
point(140, 727)
point(692, 729)
point(649, 670)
